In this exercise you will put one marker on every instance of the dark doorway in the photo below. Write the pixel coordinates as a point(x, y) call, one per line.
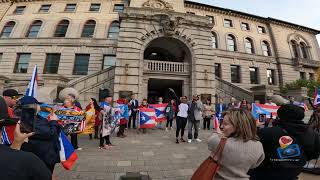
point(160, 88)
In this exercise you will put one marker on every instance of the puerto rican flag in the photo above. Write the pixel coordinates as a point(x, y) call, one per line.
point(33, 84)
point(258, 109)
point(147, 118)
point(216, 123)
point(160, 110)
point(316, 97)
point(68, 156)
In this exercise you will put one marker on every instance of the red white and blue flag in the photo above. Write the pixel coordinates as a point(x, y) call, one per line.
point(216, 123)
point(68, 156)
point(269, 111)
point(160, 110)
point(147, 118)
point(316, 97)
point(33, 84)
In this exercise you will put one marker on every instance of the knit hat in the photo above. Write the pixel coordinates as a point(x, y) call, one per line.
point(290, 112)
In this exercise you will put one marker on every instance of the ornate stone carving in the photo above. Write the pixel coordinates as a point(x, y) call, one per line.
point(158, 4)
point(169, 24)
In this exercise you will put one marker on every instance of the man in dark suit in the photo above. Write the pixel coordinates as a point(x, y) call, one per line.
point(220, 108)
point(134, 104)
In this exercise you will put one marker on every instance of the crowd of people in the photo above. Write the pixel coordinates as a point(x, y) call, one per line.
point(253, 149)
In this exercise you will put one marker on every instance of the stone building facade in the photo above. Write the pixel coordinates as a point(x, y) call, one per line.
point(145, 47)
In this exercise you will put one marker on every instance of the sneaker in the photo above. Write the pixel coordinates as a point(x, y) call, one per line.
point(79, 149)
point(198, 140)
point(171, 128)
point(189, 140)
point(167, 129)
point(182, 140)
point(177, 141)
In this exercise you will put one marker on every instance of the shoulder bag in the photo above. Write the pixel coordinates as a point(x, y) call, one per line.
point(209, 168)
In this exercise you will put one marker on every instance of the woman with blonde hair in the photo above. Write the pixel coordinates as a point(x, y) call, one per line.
point(242, 150)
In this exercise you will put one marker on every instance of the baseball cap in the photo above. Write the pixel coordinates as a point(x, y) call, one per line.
point(26, 100)
point(10, 93)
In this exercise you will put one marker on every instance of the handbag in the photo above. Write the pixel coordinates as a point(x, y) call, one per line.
point(209, 168)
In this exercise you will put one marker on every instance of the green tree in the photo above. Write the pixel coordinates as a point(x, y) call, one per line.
point(310, 85)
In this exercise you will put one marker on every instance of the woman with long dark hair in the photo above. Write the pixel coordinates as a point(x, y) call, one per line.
point(93, 104)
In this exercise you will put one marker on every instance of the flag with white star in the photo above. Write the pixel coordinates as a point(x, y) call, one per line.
point(147, 118)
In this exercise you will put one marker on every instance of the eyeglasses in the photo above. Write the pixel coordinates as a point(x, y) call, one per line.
point(15, 97)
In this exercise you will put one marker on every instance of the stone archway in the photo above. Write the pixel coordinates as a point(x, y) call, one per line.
point(167, 63)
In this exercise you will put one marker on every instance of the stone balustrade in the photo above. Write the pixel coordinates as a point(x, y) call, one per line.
point(166, 66)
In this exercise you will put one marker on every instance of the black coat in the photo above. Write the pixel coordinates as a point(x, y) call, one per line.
point(309, 142)
point(45, 142)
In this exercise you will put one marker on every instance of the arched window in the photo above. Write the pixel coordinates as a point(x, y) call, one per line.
point(34, 29)
point(295, 48)
point(249, 46)
point(62, 28)
point(88, 29)
point(214, 41)
point(231, 42)
point(7, 29)
point(114, 30)
point(266, 51)
point(304, 50)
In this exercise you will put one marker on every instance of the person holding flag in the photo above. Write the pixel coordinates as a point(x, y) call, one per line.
point(122, 104)
point(95, 108)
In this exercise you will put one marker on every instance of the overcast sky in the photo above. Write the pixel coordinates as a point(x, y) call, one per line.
point(302, 12)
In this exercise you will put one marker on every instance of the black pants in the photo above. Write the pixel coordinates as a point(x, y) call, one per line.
point(104, 139)
point(181, 124)
point(121, 130)
point(206, 122)
point(133, 118)
point(169, 121)
point(95, 133)
point(74, 140)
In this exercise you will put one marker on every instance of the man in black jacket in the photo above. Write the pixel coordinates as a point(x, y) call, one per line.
point(134, 104)
point(287, 146)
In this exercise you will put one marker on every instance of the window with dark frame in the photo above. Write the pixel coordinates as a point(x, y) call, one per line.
point(271, 77)
point(34, 29)
point(261, 30)
point(302, 75)
point(45, 8)
point(81, 64)
point(88, 29)
point(235, 74)
point(304, 50)
point(52, 63)
point(254, 75)
point(245, 26)
point(19, 10)
point(61, 28)
point(295, 49)
point(95, 7)
point(1, 55)
point(249, 46)
point(214, 42)
point(266, 51)
point(217, 69)
point(109, 61)
point(114, 30)
point(70, 8)
point(118, 8)
point(311, 76)
point(22, 63)
point(228, 23)
point(211, 19)
point(231, 42)
point(7, 29)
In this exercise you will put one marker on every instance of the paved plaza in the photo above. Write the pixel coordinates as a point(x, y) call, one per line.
point(154, 153)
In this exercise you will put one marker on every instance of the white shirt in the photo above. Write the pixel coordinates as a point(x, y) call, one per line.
point(183, 110)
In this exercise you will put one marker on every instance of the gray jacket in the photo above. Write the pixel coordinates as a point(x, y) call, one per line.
point(197, 111)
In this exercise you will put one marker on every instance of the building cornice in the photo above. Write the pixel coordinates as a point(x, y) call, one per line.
point(240, 14)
